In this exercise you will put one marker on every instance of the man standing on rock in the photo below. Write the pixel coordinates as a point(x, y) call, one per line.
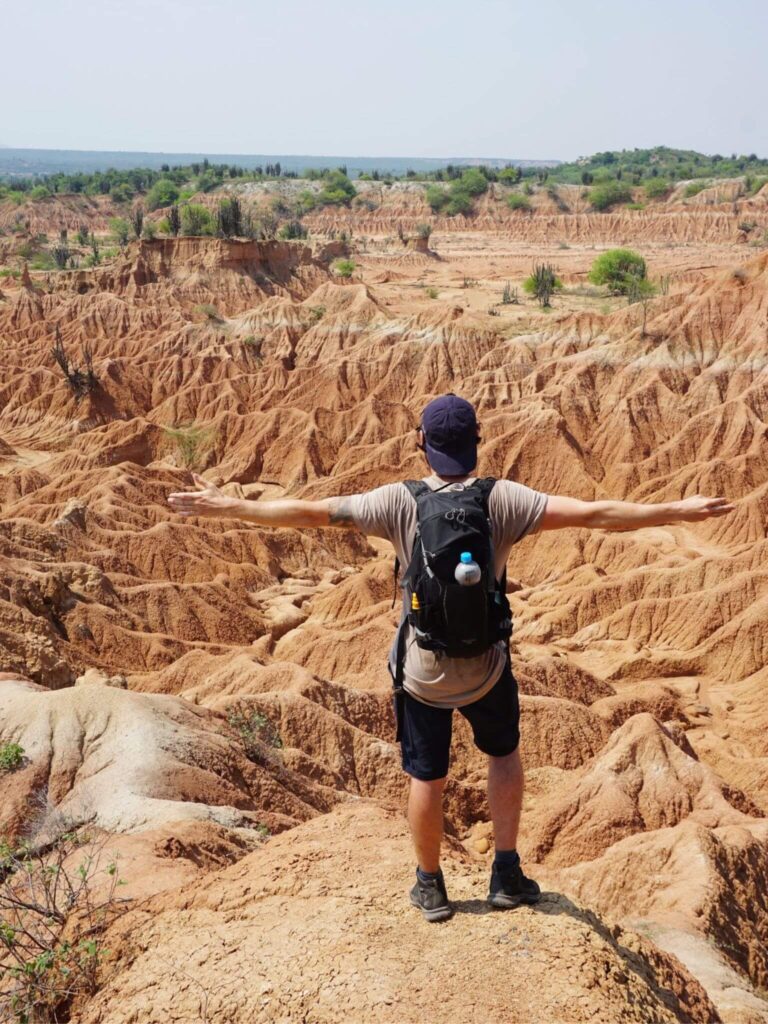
point(433, 674)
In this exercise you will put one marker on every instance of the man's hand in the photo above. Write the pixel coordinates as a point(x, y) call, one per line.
point(562, 512)
point(691, 510)
point(207, 500)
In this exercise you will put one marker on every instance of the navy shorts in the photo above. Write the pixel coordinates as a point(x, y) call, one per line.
point(424, 731)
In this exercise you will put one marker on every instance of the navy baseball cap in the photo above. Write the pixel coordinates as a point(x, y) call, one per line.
point(450, 435)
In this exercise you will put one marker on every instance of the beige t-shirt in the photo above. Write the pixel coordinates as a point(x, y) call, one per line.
point(390, 512)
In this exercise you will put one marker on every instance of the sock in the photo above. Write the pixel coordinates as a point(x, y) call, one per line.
point(427, 876)
point(507, 858)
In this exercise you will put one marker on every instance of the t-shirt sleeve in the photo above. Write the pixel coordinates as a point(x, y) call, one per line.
point(517, 509)
point(377, 512)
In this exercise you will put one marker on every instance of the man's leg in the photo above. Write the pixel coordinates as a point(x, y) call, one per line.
point(425, 817)
point(505, 798)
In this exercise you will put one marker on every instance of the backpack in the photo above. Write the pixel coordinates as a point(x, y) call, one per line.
point(452, 620)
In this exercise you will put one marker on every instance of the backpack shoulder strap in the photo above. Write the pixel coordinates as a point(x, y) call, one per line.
point(416, 488)
point(485, 486)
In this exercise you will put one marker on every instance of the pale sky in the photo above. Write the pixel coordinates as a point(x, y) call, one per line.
point(432, 78)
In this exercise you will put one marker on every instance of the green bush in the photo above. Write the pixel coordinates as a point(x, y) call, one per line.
point(431, 292)
point(694, 187)
point(473, 182)
point(120, 229)
point(196, 220)
point(542, 283)
point(294, 229)
point(11, 757)
point(163, 193)
point(608, 194)
point(39, 192)
point(657, 188)
point(337, 190)
point(436, 197)
point(510, 175)
point(518, 202)
point(193, 443)
point(121, 193)
point(344, 268)
point(617, 268)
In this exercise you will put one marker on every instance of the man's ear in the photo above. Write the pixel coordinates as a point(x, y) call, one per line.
point(420, 439)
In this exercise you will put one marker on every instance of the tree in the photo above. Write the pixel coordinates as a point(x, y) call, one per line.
point(61, 253)
point(229, 218)
point(120, 229)
point(174, 220)
point(196, 220)
point(542, 283)
point(618, 268)
point(640, 289)
point(163, 193)
point(137, 219)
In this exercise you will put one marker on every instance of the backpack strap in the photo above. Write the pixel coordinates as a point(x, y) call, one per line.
point(485, 486)
point(416, 488)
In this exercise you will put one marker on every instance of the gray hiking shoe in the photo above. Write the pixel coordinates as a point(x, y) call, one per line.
point(432, 899)
point(510, 887)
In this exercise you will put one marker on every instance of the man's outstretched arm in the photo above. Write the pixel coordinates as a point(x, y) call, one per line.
point(208, 500)
point(562, 512)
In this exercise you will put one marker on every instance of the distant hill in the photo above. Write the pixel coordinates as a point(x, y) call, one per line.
point(632, 165)
point(26, 162)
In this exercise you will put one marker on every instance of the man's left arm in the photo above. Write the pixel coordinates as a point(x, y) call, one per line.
point(562, 512)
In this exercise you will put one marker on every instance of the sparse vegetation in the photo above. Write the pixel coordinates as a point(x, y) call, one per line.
point(609, 194)
point(694, 187)
point(509, 296)
point(617, 269)
point(293, 230)
point(518, 202)
point(423, 231)
point(431, 292)
point(259, 736)
point(193, 443)
point(469, 282)
point(61, 254)
point(56, 900)
point(120, 229)
point(542, 284)
point(137, 220)
point(11, 757)
point(196, 220)
point(81, 381)
point(344, 268)
point(210, 312)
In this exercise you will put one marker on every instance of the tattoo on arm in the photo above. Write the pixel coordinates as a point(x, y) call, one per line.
point(340, 512)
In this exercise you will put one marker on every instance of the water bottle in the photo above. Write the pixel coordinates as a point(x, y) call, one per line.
point(468, 571)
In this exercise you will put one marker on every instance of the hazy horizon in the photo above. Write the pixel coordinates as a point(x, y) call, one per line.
point(422, 81)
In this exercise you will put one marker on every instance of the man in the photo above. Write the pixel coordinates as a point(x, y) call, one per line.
point(481, 688)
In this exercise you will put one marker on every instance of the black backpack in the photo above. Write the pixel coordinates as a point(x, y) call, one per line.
point(448, 618)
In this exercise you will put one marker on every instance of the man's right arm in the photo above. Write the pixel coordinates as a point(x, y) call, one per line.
point(562, 512)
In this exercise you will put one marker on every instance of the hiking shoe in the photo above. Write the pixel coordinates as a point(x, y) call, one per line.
point(432, 899)
point(510, 887)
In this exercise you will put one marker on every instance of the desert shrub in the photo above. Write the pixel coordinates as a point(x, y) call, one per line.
point(756, 184)
point(344, 268)
point(137, 220)
point(196, 220)
point(436, 197)
point(518, 202)
point(608, 194)
point(615, 268)
point(82, 235)
point(492, 311)
point(81, 381)
point(173, 220)
point(543, 283)
point(510, 175)
point(209, 312)
point(528, 188)
point(459, 201)
point(657, 188)
point(694, 187)
point(469, 282)
point(193, 443)
point(509, 296)
point(472, 181)
point(635, 206)
point(56, 900)
point(122, 193)
point(316, 313)
point(42, 261)
point(163, 193)
point(747, 225)
point(423, 231)
point(431, 292)
point(294, 229)
point(337, 189)
point(149, 230)
point(260, 738)
point(229, 218)
point(306, 201)
point(39, 192)
point(11, 756)
point(61, 254)
point(120, 229)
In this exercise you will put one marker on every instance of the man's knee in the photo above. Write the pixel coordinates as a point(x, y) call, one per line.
point(427, 786)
